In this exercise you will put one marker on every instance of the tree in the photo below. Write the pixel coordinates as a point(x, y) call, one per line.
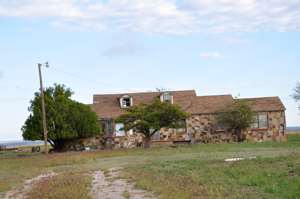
point(296, 94)
point(150, 118)
point(66, 118)
point(238, 117)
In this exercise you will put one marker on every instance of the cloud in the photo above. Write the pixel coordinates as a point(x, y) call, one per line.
point(235, 39)
point(246, 15)
point(124, 48)
point(160, 16)
point(211, 55)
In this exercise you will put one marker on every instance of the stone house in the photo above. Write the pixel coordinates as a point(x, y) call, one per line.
point(268, 123)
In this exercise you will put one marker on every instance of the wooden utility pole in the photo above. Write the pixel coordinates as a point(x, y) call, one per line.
point(43, 108)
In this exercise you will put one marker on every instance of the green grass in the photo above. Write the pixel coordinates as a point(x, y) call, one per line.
point(294, 137)
point(195, 171)
point(261, 178)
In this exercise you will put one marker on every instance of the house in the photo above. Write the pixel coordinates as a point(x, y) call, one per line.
point(268, 123)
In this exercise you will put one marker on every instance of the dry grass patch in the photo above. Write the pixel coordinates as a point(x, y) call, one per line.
point(65, 185)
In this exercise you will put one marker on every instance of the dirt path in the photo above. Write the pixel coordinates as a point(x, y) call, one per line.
point(111, 187)
point(20, 193)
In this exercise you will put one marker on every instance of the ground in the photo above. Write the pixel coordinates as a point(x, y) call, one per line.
point(269, 170)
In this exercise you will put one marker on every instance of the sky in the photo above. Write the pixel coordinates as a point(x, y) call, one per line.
point(247, 48)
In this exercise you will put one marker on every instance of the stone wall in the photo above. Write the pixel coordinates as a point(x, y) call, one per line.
point(202, 128)
point(169, 134)
point(131, 140)
point(275, 132)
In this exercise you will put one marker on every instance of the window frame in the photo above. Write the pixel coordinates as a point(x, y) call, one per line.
point(128, 99)
point(116, 131)
point(182, 129)
point(260, 120)
point(156, 136)
point(163, 97)
point(257, 121)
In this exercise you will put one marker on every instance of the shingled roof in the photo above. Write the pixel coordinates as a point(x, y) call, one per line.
point(265, 104)
point(108, 105)
point(210, 104)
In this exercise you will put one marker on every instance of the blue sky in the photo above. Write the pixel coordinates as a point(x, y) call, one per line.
point(245, 48)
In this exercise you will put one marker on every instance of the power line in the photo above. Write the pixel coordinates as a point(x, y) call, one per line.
point(92, 81)
point(17, 87)
point(80, 77)
point(14, 99)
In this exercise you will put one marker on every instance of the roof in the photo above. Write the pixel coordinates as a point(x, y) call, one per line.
point(108, 105)
point(211, 104)
point(265, 103)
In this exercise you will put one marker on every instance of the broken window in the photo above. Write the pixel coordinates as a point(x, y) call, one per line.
point(166, 97)
point(126, 101)
point(119, 129)
point(260, 121)
point(156, 136)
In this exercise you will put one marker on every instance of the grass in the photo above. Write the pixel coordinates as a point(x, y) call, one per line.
point(262, 178)
point(195, 171)
point(295, 137)
point(69, 185)
point(126, 195)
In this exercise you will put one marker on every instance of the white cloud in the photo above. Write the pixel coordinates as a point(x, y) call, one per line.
point(160, 16)
point(124, 48)
point(246, 15)
point(211, 55)
point(235, 39)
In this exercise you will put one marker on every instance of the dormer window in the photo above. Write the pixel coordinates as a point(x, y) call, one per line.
point(166, 97)
point(125, 101)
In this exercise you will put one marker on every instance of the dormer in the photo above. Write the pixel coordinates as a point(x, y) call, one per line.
point(126, 101)
point(166, 97)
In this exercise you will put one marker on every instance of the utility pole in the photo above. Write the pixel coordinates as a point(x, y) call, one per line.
point(43, 107)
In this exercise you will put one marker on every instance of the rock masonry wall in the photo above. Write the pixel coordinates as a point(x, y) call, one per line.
point(202, 128)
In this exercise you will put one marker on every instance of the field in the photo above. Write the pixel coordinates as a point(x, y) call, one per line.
point(270, 170)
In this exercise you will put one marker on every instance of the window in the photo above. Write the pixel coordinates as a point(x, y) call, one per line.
point(166, 97)
point(126, 101)
point(254, 124)
point(156, 136)
point(260, 121)
point(119, 129)
point(263, 121)
point(182, 126)
point(281, 129)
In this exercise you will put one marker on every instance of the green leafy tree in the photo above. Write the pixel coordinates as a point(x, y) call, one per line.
point(66, 118)
point(296, 94)
point(150, 118)
point(238, 117)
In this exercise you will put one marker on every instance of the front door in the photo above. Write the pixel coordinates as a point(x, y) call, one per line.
point(107, 127)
